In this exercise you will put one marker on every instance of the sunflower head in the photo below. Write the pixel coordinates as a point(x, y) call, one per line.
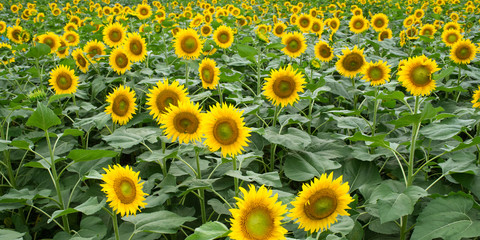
point(114, 34)
point(377, 73)
point(163, 95)
point(416, 75)
point(258, 216)
point(279, 29)
point(223, 36)
point(72, 38)
point(183, 122)
point(379, 22)
point(294, 43)
point(304, 22)
point(351, 62)
point(463, 51)
point(358, 24)
point(121, 104)
point(124, 190)
point(317, 26)
point(384, 34)
point(209, 73)
point(80, 60)
point(143, 11)
point(206, 30)
point(93, 49)
point(476, 98)
point(320, 202)
point(188, 44)
point(323, 51)
point(63, 80)
point(283, 86)
point(120, 61)
point(428, 30)
point(136, 47)
point(50, 39)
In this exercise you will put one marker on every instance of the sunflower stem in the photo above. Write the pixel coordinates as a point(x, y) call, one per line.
point(354, 94)
point(273, 147)
point(40, 70)
point(115, 226)
point(459, 82)
point(201, 192)
point(235, 180)
point(375, 109)
point(75, 104)
point(186, 75)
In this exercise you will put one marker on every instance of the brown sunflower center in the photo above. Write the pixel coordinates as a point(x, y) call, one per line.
point(258, 223)
point(49, 41)
point(189, 44)
point(136, 47)
point(293, 45)
point(375, 73)
point(81, 61)
point(115, 35)
point(284, 87)
point(304, 22)
point(353, 62)
point(121, 105)
point(325, 51)
point(316, 27)
point(333, 24)
point(144, 11)
point(225, 131)
point(121, 60)
point(421, 76)
point(451, 38)
point(383, 35)
point(379, 23)
point(93, 51)
point(64, 81)
point(125, 190)
point(207, 18)
point(207, 74)
point(427, 32)
point(186, 122)
point(279, 30)
point(463, 52)
point(205, 30)
point(358, 24)
point(321, 204)
point(164, 99)
point(71, 38)
point(223, 37)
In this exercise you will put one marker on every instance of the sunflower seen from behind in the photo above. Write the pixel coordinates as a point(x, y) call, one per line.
point(295, 44)
point(121, 104)
point(63, 80)
point(224, 129)
point(283, 86)
point(183, 122)
point(320, 202)
point(114, 35)
point(119, 60)
point(463, 51)
point(124, 190)
point(136, 47)
point(80, 60)
point(377, 73)
point(223, 36)
point(351, 62)
point(163, 95)
point(257, 216)
point(187, 44)
point(209, 73)
point(416, 75)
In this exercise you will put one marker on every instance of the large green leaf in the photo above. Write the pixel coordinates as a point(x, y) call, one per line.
point(303, 166)
point(82, 155)
point(445, 129)
point(10, 234)
point(294, 139)
point(43, 118)
point(247, 52)
point(209, 231)
point(129, 137)
point(38, 50)
point(164, 222)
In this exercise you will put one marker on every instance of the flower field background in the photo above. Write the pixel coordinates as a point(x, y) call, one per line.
point(240, 120)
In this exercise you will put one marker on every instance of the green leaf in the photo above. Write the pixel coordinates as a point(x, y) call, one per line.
point(38, 50)
point(468, 143)
point(164, 222)
point(73, 132)
point(21, 144)
point(303, 166)
point(60, 213)
point(82, 155)
point(444, 73)
point(247, 52)
point(93, 227)
point(90, 206)
point(275, 46)
point(358, 173)
point(374, 141)
point(10, 234)
point(43, 118)
point(209, 231)
point(449, 218)
point(129, 137)
point(395, 205)
point(445, 129)
point(269, 179)
point(391, 95)
point(294, 139)
point(57, 96)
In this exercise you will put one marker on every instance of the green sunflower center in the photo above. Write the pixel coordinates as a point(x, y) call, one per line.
point(293, 45)
point(316, 27)
point(49, 42)
point(164, 99)
point(284, 87)
point(121, 60)
point(189, 44)
point(304, 22)
point(144, 11)
point(452, 38)
point(92, 52)
point(186, 122)
point(375, 73)
point(379, 23)
point(258, 223)
point(136, 47)
point(463, 52)
point(223, 37)
point(115, 35)
point(121, 105)
point(358, 24)
point(125, 190)
point(279, 30)
point(225, 131)
point(64, 81)
point(427, 32)
point(421, 76)
point(207, 75)
point(321, 205)
point(70, 38)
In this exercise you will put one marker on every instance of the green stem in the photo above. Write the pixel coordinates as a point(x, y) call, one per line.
point(201, 192)
point(75, 104)
point(354, 94)
point(459, 82)
point(39, 73)
point(186, 75)
point(115, 224)
point(235, 180)
point(273, 147)
point(375, 109)
point(220, 93)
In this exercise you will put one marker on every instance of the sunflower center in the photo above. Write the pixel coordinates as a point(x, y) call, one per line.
point(81, 61)
point(321, 205)
point(63, 47)
point(325, 51)
point(64, 81)
point(452, 38)
point(353, 62)
point(333, 25)
point(223, 37)
point(49, 42)
point(293, 45)
point(278, 30)
point(258, 223)
point(135, 47)
point(121, 60)
point(125, 190)
point(225, 131)
point(421, 76)
point(383, 35)
point(462, 52)
point(93, 51)
point(206, 30)
point(375, 73)
point(115, 35)
point(427, 32)
point(144, 11)
point(164, 99)
point(379, 23)
point(121, 105)
point(186, 122)
point(284, 87)
point(316, 27)
point(358, 24)
point(304, 22)
point(70, 38)
point(189, 44)
point(207, 75)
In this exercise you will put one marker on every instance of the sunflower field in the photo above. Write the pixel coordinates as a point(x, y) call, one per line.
point(242, 120)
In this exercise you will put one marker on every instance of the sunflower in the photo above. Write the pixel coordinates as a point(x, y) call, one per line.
point(384, 34)
point(223, 36)
point(450, 37)
point(428, 30)
point(72, 38)
point(294, 43)
point(279, 29)
point(323, 51)
point(411, 32)
point(379, 22)
point(416, 75)
point(334, 24)
point(120, 60)
point(183, 122)
point(136, 47)
point(13, 33)
point(196, 21)
point(304, 22)
point(163, 95)
point(209, 73)
point(70, 27)
point(463, 51)
point(224, 128)
point(143, 11)
point(188, 44)
point(357, 11)
point(351, 62)
point(317, 26)
point(114, 34)
point(316, 207)
point(94, 48)
point(293, 19)
point(51, 39)
point(452, 25)
point(63, 80)
point(258, 216)
point(80, 60)
point(377, 73)
point(419, 13)
point(62, 51)
point(476, 98)
point(124, 190)
point(6, 54)
point(283, 86)
point(358, 24)
point(206, 30)
point(121, 104)
point(3, 26)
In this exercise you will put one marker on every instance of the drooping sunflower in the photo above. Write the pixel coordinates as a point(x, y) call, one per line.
point(136, 47)
point(428, 30)
point(320, 202)
point(294, 43)
point(416, 75)
point(358, 24)
point(377, 73)
point(206, 30)
point(119, 60)
point(224, 128)
point(384, 34)
point(351, 62)
point(63, 80)
point(463, 51)
point(114, 34)
point(183, 122)
point(121, 104)
point(304, 22)
point(72, 38)
point(279, 29)
point(163, 95)
point(379, 22)
point(283, 86)
point(94, 48)
point(317, 26)
point(80, 60)
point(258, 216)
point(223, 36)
point(14, 33)
point(124, 190)
point(188, 44)
point(476, 98)
point(323, 51)
point(209, 73)
point(143, 11)
point(62, 51)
